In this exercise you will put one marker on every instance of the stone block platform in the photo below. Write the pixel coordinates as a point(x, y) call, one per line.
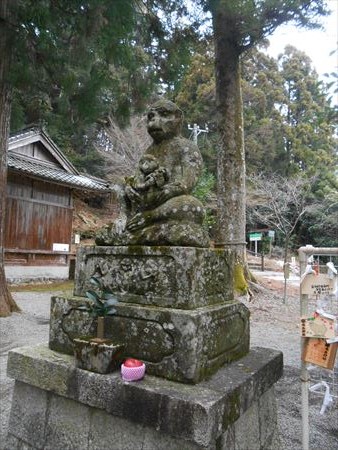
point(178, 344)
point(172, 277)
point(57, 406)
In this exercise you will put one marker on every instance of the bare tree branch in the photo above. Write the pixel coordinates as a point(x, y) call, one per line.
point(279, 202)
point(123, 147)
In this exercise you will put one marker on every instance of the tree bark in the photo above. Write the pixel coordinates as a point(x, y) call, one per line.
point(7, 304)
point(231, 156)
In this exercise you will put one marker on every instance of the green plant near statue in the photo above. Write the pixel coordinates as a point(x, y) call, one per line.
point(98, 354)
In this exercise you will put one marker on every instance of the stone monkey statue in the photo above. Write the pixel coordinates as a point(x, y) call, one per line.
point(171, 215)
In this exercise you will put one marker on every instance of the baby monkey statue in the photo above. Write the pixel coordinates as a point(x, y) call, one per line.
point(157, 200)
point(152, 177)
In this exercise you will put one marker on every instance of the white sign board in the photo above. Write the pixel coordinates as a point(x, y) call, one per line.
point(255, 237)
point(319, 284)
point(271, 234)
point(60, 247)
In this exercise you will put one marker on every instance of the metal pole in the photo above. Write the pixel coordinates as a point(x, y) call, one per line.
point(304, 253)
point(304, 375)
point(196, 131)
point(310, 250)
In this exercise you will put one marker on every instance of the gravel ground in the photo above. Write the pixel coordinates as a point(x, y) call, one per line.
point(273, 325)
point(29, 327)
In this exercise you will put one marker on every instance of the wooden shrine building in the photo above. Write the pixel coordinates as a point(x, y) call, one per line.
point(39, 210)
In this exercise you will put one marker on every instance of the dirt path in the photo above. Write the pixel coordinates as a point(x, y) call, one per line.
point(275, 324)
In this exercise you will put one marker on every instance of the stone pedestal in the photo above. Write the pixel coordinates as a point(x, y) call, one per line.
point(177, 314)
point(57, 406)
point(172, 277)
point(176, 310)
point(181, 345)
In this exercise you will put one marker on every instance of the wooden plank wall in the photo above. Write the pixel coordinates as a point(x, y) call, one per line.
point(38, 214)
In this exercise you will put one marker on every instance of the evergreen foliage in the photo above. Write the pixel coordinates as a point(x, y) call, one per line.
point(102, 301)
point(74, 63)
point(77, 63)
point(286, 107)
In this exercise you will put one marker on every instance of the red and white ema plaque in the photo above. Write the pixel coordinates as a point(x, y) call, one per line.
point(318, 325)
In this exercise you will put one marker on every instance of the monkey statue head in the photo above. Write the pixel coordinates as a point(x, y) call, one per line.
point(164, 120)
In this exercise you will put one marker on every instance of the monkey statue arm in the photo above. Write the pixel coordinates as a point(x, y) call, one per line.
point(169, 191)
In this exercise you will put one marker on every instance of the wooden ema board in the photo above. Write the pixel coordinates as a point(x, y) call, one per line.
point(315, 285)
point(317, 326)
point(318, 351)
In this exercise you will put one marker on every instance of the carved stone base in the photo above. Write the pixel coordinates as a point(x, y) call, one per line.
point(175, 312)
point(179, 345)
point(173, 277)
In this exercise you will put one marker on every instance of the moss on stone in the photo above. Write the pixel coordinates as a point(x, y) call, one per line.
point(240, 283)
point(233, 410)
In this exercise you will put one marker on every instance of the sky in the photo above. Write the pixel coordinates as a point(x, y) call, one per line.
point(317, 44)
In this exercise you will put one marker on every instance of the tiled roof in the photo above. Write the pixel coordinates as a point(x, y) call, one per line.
point(35, 134)
point(43, 171)
point(24, 133)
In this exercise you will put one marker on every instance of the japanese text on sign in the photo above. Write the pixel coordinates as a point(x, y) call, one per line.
point(316, 285)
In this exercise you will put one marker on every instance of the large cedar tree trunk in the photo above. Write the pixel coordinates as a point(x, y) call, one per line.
point(7, 304)
point(231, 157)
